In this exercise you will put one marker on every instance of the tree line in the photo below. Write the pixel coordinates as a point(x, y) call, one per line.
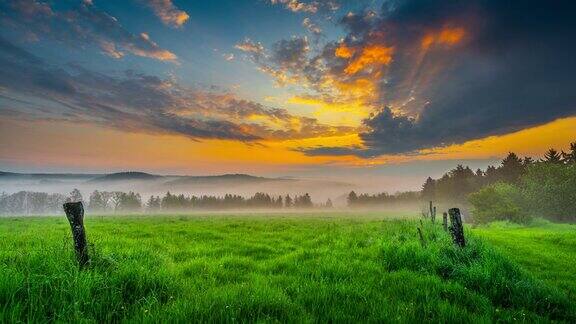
point(27, 202)
point(258, 200)
point(382, 199)
point(38, 203)
point(458, 183)
point(545, 188)
point(516, 189)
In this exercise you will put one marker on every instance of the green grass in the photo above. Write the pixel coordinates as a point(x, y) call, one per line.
point(282, 268)
point(545, 249)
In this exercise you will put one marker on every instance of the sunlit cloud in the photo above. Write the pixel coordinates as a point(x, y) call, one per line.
point(446, 36)
point(334, 113)
point(168, 13)
point(311, 7)
point(371, 56)
point(297, 6)
point(248, 46)
point(110, 49)
point(323, 76)
point(437, 79)
point(136, 102)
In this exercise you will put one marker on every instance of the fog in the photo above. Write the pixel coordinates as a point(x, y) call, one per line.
point(320, 190)
point(218, 186)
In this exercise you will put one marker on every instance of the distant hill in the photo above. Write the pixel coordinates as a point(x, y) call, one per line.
point(126, 176)
point(136, 175)
point(236, 178)
point(40, 176)
point(146, 184)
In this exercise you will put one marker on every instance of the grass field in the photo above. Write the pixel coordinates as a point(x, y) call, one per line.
point(546, 250)
point(287, 268)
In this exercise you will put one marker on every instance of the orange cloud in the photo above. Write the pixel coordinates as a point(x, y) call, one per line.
point(344, 51)
point(371, 56)
point(356, 95)
point(158, 54)
point(155, 52)
point(168, 13)
point(446, 36)
point(451, 36)
point(364, 88)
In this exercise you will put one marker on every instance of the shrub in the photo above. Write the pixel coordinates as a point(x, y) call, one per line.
point(550, 190)
point(499, 201)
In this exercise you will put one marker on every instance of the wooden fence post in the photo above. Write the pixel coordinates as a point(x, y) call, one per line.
point(445, 221)
point(75, 214)
point(421, 235)
point(432, 212)
point(456, 228)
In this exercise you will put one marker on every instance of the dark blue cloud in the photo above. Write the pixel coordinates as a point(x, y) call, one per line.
point(80, 24)
point(515, 69)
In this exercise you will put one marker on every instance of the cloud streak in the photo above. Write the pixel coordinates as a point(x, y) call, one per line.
point(82, 25)
point(138, 102)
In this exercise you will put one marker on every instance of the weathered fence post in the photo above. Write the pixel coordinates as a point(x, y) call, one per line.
point(445, 221)
point(432, 212)
point(75, 214)
point(421, 235)
point(456, 228)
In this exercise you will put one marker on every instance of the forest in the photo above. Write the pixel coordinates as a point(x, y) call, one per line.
point(518, 189)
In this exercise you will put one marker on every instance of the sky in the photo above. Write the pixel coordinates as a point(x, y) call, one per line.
point(326, 88)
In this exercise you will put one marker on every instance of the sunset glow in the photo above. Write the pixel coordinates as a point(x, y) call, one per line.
point(174, 86)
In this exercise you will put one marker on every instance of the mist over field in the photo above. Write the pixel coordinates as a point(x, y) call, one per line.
point(147, 184)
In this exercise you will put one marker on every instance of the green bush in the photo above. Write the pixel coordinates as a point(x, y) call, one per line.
point(549, 190)
point(497, 202)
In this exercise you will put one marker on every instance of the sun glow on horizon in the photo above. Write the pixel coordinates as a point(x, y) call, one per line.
point(91, 147)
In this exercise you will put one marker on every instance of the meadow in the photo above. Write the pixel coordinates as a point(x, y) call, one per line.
point(284, 268)
point(545, 249)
